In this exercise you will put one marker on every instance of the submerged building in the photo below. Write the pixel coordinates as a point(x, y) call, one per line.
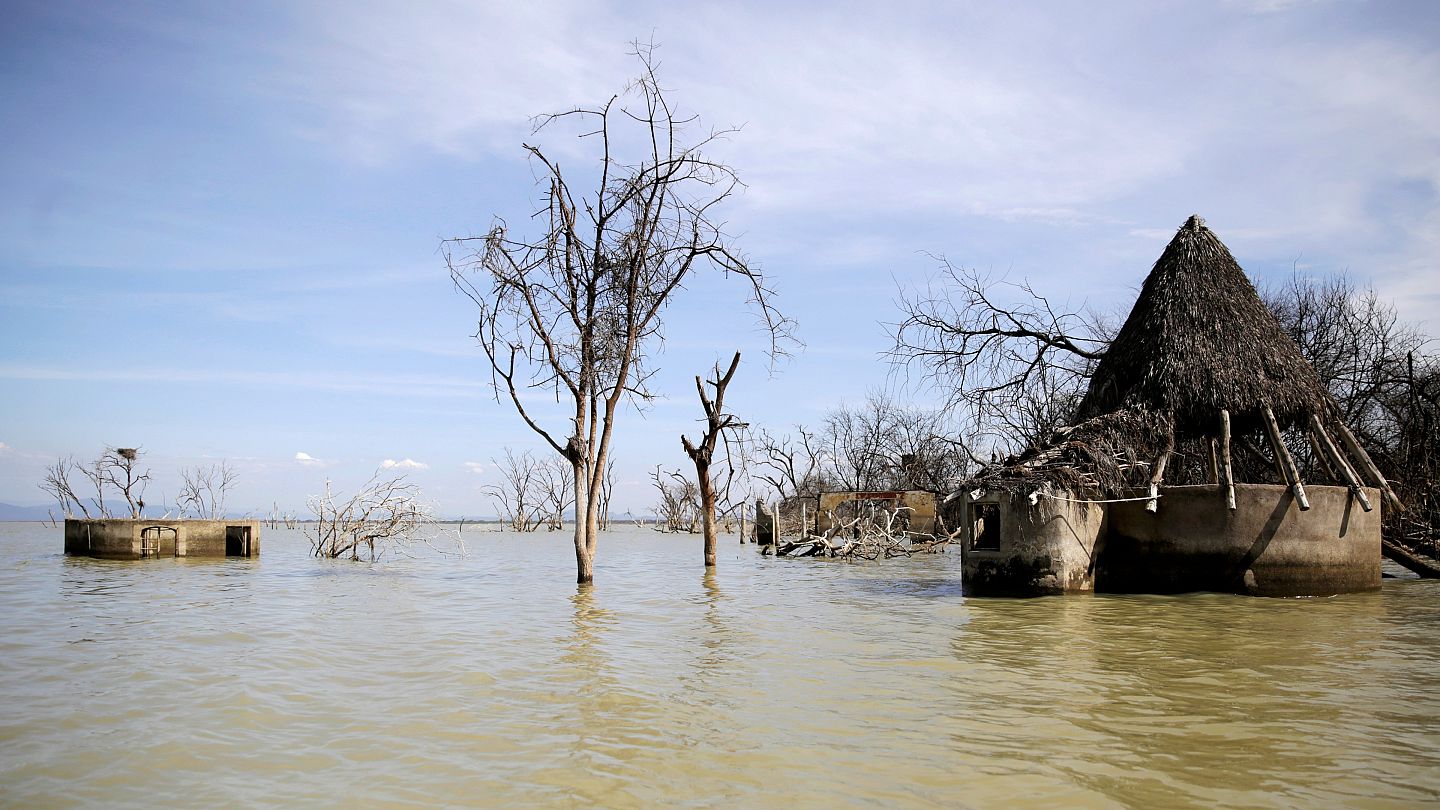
point(155, 538)
point(1205, 455)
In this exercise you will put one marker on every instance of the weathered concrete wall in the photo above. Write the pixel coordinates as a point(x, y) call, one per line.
point(1047, 548)
point(121, 538)
point(1266, 547)
point(921, 511)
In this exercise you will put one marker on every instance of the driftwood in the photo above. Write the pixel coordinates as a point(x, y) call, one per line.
point(1428, 569)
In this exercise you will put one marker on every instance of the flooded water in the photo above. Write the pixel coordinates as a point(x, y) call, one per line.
point(493, 681)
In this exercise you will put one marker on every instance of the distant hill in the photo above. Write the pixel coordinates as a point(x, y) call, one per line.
point(9, 511)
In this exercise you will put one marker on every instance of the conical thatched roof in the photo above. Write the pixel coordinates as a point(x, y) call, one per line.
point(1198, 340)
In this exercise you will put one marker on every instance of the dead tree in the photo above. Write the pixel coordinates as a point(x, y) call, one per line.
point(557, 493)
point(385, 515)
point(989, 344)
point(57, 483)
point(791, 464)
point(717, 424)
point(607, 488)
point(116, 467)
point(520, 494)
point(576, 307)
point(203, 490)
point(679, 507)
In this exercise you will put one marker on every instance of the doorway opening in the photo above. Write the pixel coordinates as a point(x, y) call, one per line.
point(237, 541)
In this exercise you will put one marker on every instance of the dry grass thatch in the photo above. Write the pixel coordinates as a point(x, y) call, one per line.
point(1199, 340)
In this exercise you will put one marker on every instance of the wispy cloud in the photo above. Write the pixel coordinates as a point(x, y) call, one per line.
point(404, 464)
point(307, 460)
point(409, 385)
point(475, 467)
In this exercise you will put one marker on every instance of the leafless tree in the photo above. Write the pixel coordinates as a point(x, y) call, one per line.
point(719, 426)
point(203, 490)
point(989, 344)
point(607, 488)
point(557, 491)
point(386, 514)
point(575, 308)
point(679, 507)
point(520, 494)
point(792, 464)
point(878, 445)
point(116, 467)
point(1385, 380)
point(57, 483)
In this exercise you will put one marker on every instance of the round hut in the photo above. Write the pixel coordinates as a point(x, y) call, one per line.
point(1205, 455)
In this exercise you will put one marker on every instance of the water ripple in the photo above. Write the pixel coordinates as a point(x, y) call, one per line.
point(494, 680)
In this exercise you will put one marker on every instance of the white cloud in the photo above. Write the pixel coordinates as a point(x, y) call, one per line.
point(406, 464)
point(475, 467)
point(308, 460)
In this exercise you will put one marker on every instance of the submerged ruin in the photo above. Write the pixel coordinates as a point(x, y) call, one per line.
point(1205, 455)
point(156, 538)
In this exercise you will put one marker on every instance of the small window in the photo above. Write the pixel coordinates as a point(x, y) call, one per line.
point(985, 526)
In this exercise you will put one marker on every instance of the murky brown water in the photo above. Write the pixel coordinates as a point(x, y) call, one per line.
point(490, 681)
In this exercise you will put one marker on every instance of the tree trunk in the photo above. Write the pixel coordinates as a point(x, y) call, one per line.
point(584, 551)
point(707, 511)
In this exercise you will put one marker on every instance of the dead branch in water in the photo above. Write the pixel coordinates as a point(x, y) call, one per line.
point(870, 537)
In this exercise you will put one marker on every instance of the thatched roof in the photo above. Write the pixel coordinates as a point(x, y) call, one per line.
point(1198, 340)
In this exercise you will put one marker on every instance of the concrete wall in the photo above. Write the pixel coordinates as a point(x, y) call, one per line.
point(120, 538)
point(1192, 542)
point(921, 505)
point(1266, 547)
point(1047, 548)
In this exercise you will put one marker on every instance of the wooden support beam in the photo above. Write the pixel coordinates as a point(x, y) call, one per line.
point(1226, 466)
point(1214, 463)
point(1287, 462)
point(1337, 460)
point(1322, 461)
point(1368, 465)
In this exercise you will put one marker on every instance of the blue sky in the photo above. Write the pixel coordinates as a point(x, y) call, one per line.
point(219, 222)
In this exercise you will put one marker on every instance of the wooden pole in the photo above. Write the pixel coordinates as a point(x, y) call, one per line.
point(744, 512)
point(1226, 466)
point(1287, 462)
point(1214, 464)
point(1368, 466)
point(1322, 460)
point(1153, 504)
point(1337, 460)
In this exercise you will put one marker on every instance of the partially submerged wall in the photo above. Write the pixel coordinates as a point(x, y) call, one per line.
point(140, 538)
point(1013, 548)
point(919, 506)
point(1267, 546)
